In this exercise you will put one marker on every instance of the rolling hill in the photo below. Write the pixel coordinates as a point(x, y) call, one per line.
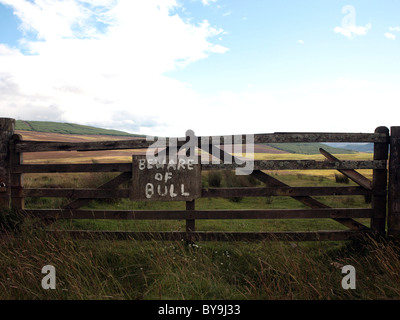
point(359, 147)
point(309, 148)
point(67, 128)
point(70, 131)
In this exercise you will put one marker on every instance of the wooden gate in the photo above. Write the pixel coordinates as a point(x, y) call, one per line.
point(12, 169)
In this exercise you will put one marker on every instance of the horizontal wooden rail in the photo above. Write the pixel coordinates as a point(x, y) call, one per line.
point(202, 214)
point(214, 236)
point(206, 193)
point(292, 137)
point(86, 167)
point(283, 191)
point(45, 146)
point(75, 193)
point(302, 165)
point(258, 165)
point(140, 143)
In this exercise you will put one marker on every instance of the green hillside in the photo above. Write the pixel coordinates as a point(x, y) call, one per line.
point(67, 128)
point(359, 147)
point(308, 148)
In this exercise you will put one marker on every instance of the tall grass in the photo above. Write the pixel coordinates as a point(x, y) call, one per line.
point(106, 269)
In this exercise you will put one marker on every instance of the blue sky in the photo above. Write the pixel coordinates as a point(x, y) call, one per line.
point(262, 37)
point(161, 67)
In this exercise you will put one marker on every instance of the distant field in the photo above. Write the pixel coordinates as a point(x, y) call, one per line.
point(318, 157)
point(308, 148)
point(75, 132)
point(261, 151)
point(75, 156)
point(62, 137)
point(89, 156)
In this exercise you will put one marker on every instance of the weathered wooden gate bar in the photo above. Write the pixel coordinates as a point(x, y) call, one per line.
point(45, 146)
point(301, 165)
point(258, 165)
point(40, 146)
point(79, 167)
point(203, 214)
point(76, 193)
point(291, 137)
point(99, 193)
point(283, 191)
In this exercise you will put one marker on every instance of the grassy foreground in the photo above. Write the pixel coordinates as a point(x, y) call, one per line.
point(105, 269)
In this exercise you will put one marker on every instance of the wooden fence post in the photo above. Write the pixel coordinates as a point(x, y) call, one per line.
point(16, 179)
point(394, 183)
point(379, 184)
point(190, 223)
point(7, 127)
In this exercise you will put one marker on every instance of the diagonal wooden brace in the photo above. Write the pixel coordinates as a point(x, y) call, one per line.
point(306, 200)
point(350, 173)
point(113, 183)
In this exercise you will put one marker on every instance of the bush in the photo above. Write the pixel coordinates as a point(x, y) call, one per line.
point(214, 179)
point(340, 178)
point(241, 181)
point(367, 198)
point(232, 180)
point(10, 220)
point(236, 199)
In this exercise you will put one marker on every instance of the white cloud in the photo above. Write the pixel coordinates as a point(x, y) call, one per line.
point(395, 29)
point(300, 41)
point(112, 76)
point(349, 31)
point(53, 19)
point(302, 108)
point(208, 2)
point(115, 77)
point(390, 36)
